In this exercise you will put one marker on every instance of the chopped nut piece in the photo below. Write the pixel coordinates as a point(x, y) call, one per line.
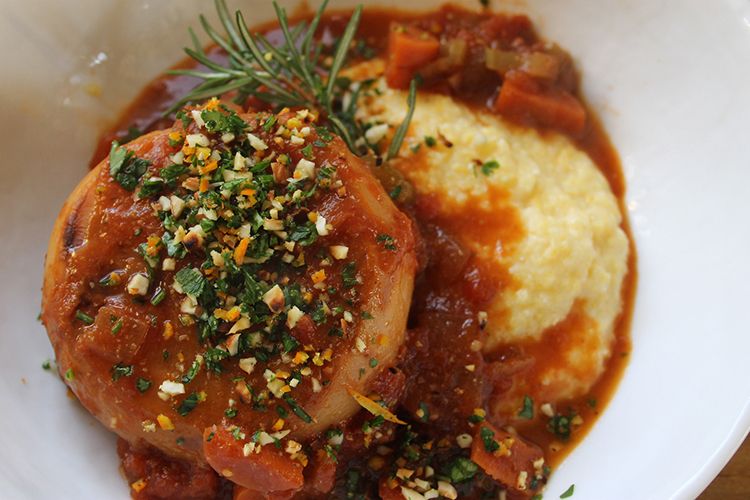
point(247, 365)
point(172, 388)
point(138, 284)
point(339, 252)
point(274, 299)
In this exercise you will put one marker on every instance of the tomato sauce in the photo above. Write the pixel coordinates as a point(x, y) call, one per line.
point(454, 286)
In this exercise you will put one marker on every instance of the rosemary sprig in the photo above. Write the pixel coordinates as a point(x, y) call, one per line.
point(287, 75)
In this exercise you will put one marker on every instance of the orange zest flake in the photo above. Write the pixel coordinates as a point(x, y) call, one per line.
point(165, 422)
point(114, 278)
point(278, 425)
point(209, 167)
point(374, 408)
point(168, 330)
point(138, 485)
point(233, 314)
point(175, 137)
point(188, 151)
point(240, 250)
point(152, 245)
point(318, 276)
point(381, 339)
point(212, 104)
point(202, 152)
point(300, 358)
point(250, 195)
point(203, 186)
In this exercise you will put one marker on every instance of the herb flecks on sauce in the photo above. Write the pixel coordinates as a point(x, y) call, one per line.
point(238, 232)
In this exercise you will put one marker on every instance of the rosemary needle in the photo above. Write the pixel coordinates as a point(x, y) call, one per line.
point(290, 74)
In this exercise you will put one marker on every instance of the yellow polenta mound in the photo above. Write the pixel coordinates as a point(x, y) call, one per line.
point(572, 250)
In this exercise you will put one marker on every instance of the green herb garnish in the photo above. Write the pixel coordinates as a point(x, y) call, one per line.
point(388, 242)
point(527, 412)
point(159, 295)
point(188, 404)
point(119, 370)
point(291, 74)
point(488, 167)
point(142, 384)
point(488, 439)
point(190, 280)
point(85, 318)
point(125, 167)
point(461, 469)
point(569, 492)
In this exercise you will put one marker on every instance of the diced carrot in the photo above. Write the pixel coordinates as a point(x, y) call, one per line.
point(524, 99)
point(511, 457)
point(240, 250)
point(270, 470)
point(409, 49)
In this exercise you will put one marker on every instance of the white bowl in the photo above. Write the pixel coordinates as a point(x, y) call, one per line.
point(669, 80)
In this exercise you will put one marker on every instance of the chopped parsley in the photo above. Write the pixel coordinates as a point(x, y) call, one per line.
point(190, 280)
point(559, 425)
point(142, 384)
point(227, 122)
point(192, 372)
point(430, 141)
point(188, 404)
point(119, 370)
point(461, 469)
point(349, 275)
point(304, 234)
point(307, 151)
point(488, 439)
point(69, 375)
point(387, 241)
point(488, 168)
point(527, 412)
point(569, 492)
point(125, 167)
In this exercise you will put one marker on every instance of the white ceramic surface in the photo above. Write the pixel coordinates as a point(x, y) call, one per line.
point(670, 81)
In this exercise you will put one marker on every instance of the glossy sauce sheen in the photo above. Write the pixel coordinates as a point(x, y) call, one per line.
point(454, 285)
